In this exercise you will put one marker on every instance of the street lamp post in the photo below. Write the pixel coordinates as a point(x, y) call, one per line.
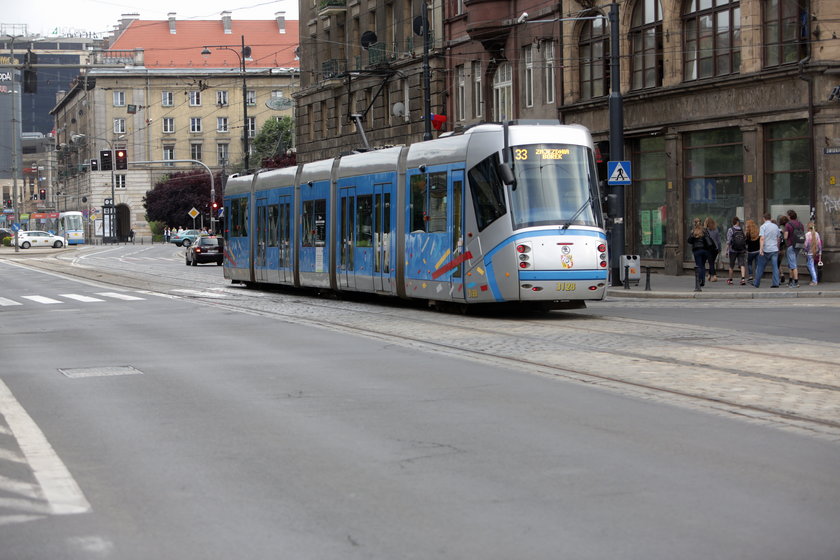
point(243, 53)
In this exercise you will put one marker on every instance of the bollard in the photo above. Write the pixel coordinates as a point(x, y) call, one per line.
point(647, 278)
point(626, 277)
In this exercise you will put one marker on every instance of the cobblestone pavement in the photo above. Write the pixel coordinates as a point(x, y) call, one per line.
point(717, 369)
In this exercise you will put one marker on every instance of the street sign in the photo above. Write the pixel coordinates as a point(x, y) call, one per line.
point(193, 213)
point(618, 173)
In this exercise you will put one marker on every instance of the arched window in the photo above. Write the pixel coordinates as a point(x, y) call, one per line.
point(594, 48)
point(503, 93)
point(646, 44)
point(712, 38)
point(785, 31)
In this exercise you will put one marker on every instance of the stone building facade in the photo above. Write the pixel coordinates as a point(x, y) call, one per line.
point(159, 94)
point(730, 107)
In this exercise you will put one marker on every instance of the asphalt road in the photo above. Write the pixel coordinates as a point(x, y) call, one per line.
point(174, 427)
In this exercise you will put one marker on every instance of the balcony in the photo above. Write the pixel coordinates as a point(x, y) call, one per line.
point(333, 71)
point(377, 55)
point(488, 21)
point(331, 7)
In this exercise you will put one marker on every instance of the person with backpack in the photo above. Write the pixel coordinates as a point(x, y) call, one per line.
point(736, 241)
point(813, 252)
point(794, 233)
point(753, 246)
point(701, 244)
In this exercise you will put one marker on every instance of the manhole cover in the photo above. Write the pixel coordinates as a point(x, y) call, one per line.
point(99, 371)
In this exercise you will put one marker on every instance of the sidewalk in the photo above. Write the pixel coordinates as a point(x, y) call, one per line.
point(682, 287)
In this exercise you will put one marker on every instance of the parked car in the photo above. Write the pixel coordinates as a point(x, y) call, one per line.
point(27, 239)
point(185, 238)
point(206, 249)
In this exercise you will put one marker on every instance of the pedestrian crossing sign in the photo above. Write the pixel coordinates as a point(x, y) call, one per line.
point(618, 173)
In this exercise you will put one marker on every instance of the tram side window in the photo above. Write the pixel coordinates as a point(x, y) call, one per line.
point(273, 212)
point(487, 192)
point(437, 202)
point(238, 217)
point(314, 223)
point(418, 203)
point(364, 221)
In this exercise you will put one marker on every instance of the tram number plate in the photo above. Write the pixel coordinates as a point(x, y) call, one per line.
point(566, 286)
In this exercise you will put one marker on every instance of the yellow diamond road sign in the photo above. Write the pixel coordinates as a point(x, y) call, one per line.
point(193, 213)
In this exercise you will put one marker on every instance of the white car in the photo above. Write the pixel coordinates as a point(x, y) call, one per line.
point(27, 239)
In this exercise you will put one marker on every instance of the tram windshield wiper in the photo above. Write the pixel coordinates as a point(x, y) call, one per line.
point(576, 214)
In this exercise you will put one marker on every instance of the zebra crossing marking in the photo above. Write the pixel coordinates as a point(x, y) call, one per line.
point(42, 299)
point(82, 298)
point(6, 302)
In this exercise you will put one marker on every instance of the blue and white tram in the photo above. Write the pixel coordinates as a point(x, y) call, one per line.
point(70, 227)
point(498, 213)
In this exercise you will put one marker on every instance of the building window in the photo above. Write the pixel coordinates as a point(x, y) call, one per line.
point(646, 44)
point(277, 94)
point(168, 125)
point(548, 61)
point(503, 93)
point(221, 124)
point(459, 7)
point(650, 188)
point(167, 98)
point(168, 152)
point(712, 36)
point(714, 175)
point(528, 78)
point(119, 126)
point(195, 124)
point(594, 58)
point(788, 165)
point(222, 98)
point(223, 153)
point(195, 151)
point(785, 31)
point(195, 98)
point(251, 98)
point(461, 95)
point(119, 99)
point(119, 181)
point(252, 127)
point(478, 95)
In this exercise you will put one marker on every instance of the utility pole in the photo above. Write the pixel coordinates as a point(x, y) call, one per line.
point(16, 129)
point(616, 115)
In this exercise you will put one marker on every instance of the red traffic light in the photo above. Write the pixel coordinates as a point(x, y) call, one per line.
point(121, 159)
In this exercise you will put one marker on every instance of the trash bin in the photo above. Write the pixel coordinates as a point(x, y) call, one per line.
point(631, 265)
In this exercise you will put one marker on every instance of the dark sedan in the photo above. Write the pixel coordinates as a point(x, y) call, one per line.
point(206, 250)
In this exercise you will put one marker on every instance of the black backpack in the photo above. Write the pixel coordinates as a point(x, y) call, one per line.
point(738, 243)
point(798, 235)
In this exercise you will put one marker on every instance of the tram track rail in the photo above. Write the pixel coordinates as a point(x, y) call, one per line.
point(717, 369)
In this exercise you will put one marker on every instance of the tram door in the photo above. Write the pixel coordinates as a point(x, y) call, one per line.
point(284, 241)
point(346, 257)
point(382, 237)
point(458, 247)
point(260, 260)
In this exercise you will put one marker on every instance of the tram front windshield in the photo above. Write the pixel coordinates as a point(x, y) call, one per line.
point(555, 185)
point(72, 222)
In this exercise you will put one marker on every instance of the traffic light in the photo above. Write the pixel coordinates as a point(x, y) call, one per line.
point(106, 160)
point(121, 159)
point(30, 78)
point(215, 208)
point(42, 194)
point(94, 165)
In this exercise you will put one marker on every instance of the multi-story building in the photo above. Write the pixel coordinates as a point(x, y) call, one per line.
point(171, 90)
point(366, 58)
point(55, 62)
point(730, 107)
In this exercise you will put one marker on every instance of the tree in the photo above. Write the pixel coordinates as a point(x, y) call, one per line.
point(175, 195)
point(274, 141)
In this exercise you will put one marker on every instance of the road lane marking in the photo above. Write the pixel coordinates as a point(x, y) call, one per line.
point(4, 302)
point(57, 484)
point(118, 295)
point(42, 299)
point(80, 297)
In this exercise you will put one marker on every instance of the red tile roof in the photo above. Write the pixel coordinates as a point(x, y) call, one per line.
point(162, 49)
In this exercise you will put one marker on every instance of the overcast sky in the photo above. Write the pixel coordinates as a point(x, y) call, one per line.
point(66, 17)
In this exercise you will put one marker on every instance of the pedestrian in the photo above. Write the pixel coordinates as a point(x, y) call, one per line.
point(714, 235)
point(753, 246)
point(736, 243)
point(813, 252)
point(794, 234)
point(701, 244)
point(131, 236)
point(768, 251)
point(782, 223)
point(167, 233)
